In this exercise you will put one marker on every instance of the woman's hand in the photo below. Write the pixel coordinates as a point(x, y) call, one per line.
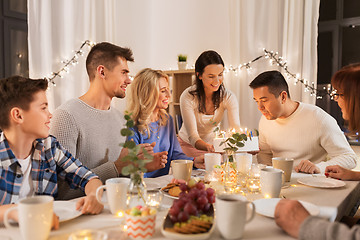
point(341, 173)
point(210, 148)
point(159, 161)
point(202, 145)
point(199, 162)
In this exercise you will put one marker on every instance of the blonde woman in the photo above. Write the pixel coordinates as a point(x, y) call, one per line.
point(150, 95)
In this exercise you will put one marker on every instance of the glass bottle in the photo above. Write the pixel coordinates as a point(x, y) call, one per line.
point(229, 176)
point(136, 194)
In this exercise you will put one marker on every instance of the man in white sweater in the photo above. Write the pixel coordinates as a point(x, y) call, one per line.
point(89, 127)
point(297, 130)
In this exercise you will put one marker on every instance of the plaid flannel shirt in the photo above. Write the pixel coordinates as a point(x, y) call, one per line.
point(49, 160)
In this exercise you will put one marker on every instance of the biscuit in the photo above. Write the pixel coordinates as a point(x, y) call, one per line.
point(170, 185)
point(194, 227)
point(175, 191)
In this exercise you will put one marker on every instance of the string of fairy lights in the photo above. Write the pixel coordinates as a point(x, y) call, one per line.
point(68, 63)
point(273, 57)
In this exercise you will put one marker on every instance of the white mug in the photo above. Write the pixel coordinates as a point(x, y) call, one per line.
point(231, 211)
point(116, 193)
point(285, 164)
point(271, 182)
point(35, 217)
point(211, 159)
point(243, 162)
point(182, 169)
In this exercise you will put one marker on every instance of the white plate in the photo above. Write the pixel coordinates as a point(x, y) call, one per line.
point(150, 184)
point(321, 182)
point(266, 207)
point(180, 236)
point(66, 210)
point(166, 194)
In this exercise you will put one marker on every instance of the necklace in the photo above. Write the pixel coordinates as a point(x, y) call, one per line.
point(155, 131)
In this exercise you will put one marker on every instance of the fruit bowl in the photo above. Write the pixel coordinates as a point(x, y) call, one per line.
point(184, 236)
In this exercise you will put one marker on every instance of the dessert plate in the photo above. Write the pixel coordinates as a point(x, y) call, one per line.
point(180, 236)
point(166, 194)
point(266, 207)
point(321, 182)
point(66, 210)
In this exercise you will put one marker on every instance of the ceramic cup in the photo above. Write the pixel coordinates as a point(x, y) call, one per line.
point(116, 192)
point(231, 215)
point(211, 159)
point(35, 217)
point(271, 182)
point(285, 164)
point(243, 162)
point(182, 169)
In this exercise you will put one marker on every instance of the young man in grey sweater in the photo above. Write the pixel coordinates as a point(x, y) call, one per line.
point(89, 126)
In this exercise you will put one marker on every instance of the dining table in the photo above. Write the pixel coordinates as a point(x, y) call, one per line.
point(333, 203)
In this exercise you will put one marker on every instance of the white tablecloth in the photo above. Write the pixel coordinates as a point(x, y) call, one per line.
point(333, 204)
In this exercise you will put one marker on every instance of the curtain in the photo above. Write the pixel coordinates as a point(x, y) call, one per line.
point(158, 30)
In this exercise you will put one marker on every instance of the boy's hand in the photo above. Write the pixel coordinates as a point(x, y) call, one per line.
point(89, 205)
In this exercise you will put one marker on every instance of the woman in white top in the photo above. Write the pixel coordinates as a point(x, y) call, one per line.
point(203, 104)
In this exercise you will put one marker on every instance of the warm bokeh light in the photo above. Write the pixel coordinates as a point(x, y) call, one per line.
point(120, 214)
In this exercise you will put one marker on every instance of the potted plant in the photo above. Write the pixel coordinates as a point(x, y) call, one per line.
point(182, 61)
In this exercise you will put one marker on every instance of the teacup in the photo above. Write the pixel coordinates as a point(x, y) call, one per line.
point(35, 217)
point(116, 193)
point(182, 169)
point(243, 162)
point(270, 182)
point(211, 159)
point(285, 164)
point(231, 211)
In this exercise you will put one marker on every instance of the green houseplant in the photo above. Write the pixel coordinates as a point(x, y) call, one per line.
point(136, 165)
point(182, 61)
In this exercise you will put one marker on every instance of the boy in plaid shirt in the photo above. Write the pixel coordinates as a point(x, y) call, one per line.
point(30, 159)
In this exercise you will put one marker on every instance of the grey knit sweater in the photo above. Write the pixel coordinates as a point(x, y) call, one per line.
point(321, 229)
point(91, 135)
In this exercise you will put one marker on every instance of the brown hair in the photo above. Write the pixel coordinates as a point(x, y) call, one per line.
point(347, 82)
point(106, 54)
point(207, 58)
point(17, 91)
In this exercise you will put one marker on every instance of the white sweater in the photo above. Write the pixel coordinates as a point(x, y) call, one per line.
point(200, 126)
point(309, 133)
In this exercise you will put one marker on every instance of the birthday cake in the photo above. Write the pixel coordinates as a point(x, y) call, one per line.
point(251, 144)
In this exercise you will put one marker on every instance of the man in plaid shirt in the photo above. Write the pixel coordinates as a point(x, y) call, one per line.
point(30, 159)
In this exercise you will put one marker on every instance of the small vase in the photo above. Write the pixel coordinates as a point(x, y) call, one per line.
point(137, 193)
point(230, 177)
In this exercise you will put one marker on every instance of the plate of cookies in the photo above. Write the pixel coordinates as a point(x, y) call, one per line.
point(172, 190)
point(196, 228)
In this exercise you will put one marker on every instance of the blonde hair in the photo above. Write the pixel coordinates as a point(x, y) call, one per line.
point(144, 98)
